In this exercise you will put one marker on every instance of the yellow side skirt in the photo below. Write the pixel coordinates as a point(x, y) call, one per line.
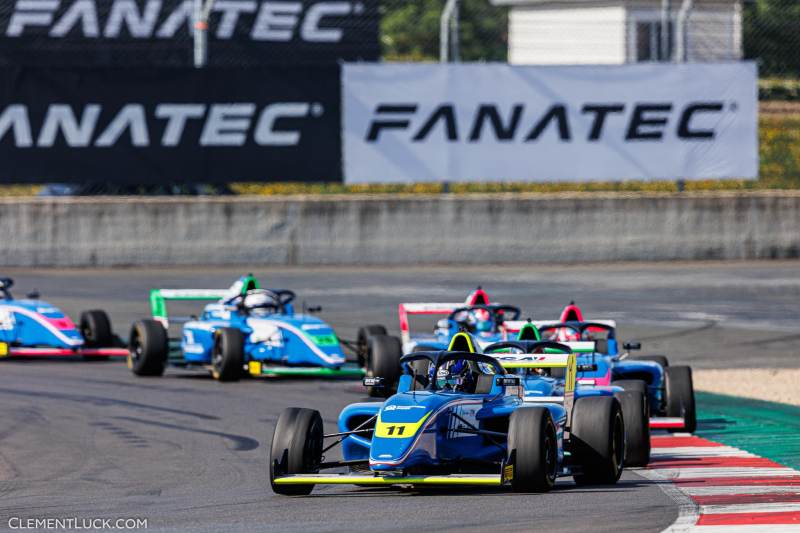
point(344, 479)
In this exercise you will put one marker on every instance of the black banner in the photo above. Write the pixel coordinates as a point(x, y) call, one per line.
point(117, 33)
point(150, 126)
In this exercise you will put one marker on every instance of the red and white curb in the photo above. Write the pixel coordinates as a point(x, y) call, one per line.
point(722, 488)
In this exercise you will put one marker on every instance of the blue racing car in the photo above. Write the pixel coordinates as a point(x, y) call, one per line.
point(463, 420)
point(477, 315)
point(669, 389)
point(249, 330)
point(31, 327)
point(635, 407)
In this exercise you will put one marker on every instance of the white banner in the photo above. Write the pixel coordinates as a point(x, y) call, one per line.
point(492, 122)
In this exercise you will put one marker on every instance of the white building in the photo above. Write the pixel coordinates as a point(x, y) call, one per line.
point(622, 31)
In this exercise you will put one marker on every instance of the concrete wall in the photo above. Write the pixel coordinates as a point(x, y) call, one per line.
point(347, 230)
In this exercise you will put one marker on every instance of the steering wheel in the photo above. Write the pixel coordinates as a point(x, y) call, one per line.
point(285, 296)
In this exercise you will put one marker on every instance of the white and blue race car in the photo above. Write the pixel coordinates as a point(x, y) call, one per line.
point(31, 327)
point(250, 330)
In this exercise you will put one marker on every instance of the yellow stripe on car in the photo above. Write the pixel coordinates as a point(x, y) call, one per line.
point(319, 479)
point(398, 430)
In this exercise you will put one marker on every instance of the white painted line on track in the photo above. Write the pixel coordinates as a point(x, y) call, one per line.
point(740, 489)
point(701, 451)
point(780, 507)
point(688, 511)
point(702, 473)
point(759, 528)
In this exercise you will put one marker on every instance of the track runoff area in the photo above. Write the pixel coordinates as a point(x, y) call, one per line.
point(731, 475)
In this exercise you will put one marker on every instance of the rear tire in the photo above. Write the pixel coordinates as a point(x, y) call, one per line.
point(532, 450)
point(636, 385)
point(383, 361)
point(636, 414)
point(147, 348)
point(95, 327)
point(227, 355)
point(597, 440)
point(680, 395)
point(660, 359)
point(296, 449)
point(362, 340)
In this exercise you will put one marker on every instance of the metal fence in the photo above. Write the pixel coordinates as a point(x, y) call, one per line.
point(767, 31)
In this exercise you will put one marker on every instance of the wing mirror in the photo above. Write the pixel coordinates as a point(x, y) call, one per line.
point(33, 295)
point(632, 345)
point(315, 309)
point(375, 382)
point(443, 324)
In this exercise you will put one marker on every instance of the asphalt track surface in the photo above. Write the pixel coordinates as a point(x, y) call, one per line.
point(187, 453)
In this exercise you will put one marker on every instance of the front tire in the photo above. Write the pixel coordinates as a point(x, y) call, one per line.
point(227, 355)
point(383, 361)
point(680, 395)
point(147, 348)
point(296, 449)
point(532, 450)
point(362, 340)
point(636, 414)
point(597, 440)
point(636, 385)
point(95, 327)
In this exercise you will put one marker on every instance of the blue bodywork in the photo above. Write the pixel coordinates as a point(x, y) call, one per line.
point(276, 336)
point(417, 430)
point(484, 332)
point(35, 323)
point(609, 362)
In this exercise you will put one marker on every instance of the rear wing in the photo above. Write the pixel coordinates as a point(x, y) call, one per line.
point(407, 309)
point(160, 297)
point(536, 361)
point(513, 326)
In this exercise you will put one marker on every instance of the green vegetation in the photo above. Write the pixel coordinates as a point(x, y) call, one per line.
point(410, 31)
point(771, 34)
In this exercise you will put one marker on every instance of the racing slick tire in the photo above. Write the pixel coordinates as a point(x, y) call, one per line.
point(147, 348)
point(383, 360)
point(636, 415)
point(296, 448)
point(95, 327)
point(680, 396)
point(660, 359)
point(532, 450)
point(597, 440)
point(631, 385)
point(227, 355)
point(362, 340)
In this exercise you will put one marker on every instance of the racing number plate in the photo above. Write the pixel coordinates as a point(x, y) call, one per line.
point(398, 430)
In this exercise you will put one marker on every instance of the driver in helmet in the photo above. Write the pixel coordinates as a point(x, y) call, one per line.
point(481, 322)
point(259, 300)
point(456, 376)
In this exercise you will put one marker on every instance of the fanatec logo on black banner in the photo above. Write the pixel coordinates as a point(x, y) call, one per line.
point(159, 32)
point(136, 127)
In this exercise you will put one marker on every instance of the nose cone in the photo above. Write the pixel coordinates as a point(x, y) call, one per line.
point(401, 432)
